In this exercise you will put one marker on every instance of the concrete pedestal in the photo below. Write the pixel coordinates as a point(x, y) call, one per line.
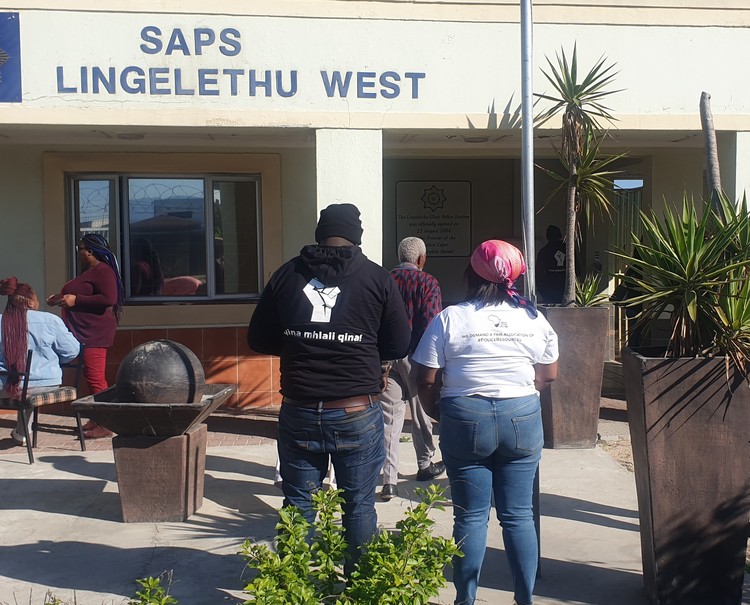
point(161, 478)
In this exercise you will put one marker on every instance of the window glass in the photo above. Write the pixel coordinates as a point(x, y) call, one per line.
point(94, 210)
point(235, 240)
point(183, 237)
point(167, 239)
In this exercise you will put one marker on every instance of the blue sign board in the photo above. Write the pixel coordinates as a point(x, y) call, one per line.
point(10, 58)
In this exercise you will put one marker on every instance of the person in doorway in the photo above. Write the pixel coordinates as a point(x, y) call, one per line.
point(550, 267)
point(91, 307)
point(24, 327)
point(492, 353)
point(421, 294)
point(334, 317)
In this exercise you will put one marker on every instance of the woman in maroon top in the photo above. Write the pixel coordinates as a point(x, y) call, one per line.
point(91, 304)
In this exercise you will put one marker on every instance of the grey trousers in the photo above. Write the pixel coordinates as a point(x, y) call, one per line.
point(402, 388)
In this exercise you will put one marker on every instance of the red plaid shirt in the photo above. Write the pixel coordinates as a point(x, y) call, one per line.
point(422, 299)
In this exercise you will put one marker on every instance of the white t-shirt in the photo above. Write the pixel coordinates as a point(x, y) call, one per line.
point(489, 351)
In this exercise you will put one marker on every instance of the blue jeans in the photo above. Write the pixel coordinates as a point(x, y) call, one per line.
point(356, 447)
point(492, 447)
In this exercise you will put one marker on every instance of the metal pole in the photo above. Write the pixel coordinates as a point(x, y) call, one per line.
point(527, 146)
point(527, 170)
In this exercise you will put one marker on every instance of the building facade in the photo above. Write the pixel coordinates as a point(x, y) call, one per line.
point(204, 142)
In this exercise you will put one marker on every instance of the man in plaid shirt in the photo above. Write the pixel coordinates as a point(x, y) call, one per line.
point(422, 299)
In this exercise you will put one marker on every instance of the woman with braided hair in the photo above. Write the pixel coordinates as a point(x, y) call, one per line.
point(91, 305)
point(24, 327)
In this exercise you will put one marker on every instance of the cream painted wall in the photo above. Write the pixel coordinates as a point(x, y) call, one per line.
point(730, 165)
point(675, 172)
point(458, 90)
point(741, 165)
point(494, 208)
point(645, 12)
point(349, 167)
point(22, 239)
point(298, 190)
point(22, 246)
point(734, 163)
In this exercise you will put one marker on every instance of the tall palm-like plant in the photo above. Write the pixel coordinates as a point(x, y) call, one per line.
point(581, 104)
point(695, 270)
point(594, 179)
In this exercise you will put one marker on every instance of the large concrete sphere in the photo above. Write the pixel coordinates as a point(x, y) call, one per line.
point(160, 371)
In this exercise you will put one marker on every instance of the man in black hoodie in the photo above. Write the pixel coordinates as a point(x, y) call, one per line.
point(335, 318)
point(550, 267)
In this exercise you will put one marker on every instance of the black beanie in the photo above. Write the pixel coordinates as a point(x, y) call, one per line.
point(339, 220)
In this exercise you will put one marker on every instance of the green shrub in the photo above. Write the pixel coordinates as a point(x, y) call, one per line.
point(588, 293)
point(153, 593)
point(403, 567)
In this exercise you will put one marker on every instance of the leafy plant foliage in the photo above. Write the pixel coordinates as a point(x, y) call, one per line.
point(587, 175)
point(588, 293)
point(153, 593)
point(696, 271)
point(594, 180)
point(404, 567)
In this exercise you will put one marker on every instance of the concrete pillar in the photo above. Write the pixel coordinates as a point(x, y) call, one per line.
point(734, 163)
point(349, 166)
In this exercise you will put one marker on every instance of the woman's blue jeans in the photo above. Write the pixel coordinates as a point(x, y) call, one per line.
point(492, 447)
point(355, 445)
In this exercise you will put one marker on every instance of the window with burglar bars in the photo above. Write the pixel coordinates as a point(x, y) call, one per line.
point(192, 237)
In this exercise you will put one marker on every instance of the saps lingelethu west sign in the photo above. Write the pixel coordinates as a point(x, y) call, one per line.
point(171, 63)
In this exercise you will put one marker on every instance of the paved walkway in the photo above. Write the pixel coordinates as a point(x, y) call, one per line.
point(62, 530)
point(61, 527)
point(58, 433)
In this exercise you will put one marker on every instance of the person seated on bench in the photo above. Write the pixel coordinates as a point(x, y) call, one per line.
point(22, 327)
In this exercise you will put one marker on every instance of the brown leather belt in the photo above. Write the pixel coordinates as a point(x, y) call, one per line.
point(350, 404)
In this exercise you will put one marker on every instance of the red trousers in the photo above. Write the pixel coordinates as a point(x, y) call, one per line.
point(94, 369)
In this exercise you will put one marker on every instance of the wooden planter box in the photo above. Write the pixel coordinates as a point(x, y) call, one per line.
point(160, 478)
point(690, 432)
point(570, 406)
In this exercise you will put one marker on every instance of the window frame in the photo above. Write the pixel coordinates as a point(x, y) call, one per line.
point(156, 314)
point(119, 235)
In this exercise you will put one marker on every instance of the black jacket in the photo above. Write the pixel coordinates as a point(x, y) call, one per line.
point(550, 272)
point(331, 315)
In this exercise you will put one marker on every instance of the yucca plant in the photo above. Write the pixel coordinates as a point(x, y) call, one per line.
point(582, 106)
point(695, 269)
point(588, 293)
point(594, 180)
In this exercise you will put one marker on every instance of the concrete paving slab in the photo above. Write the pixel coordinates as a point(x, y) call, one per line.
point(61, 530)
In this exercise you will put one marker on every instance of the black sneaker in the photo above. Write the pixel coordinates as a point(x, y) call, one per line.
point(434, 470)
point(388, 492)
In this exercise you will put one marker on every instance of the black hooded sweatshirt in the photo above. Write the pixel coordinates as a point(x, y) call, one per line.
point(331, 315)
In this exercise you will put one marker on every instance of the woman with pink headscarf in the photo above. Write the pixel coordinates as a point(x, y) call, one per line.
point(486, 359)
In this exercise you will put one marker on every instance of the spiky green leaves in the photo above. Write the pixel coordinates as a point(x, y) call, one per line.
point(695, 270)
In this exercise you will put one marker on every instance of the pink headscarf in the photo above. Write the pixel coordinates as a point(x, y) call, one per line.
point(498, 262)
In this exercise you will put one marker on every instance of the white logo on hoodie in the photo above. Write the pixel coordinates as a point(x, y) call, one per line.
point(323, 299)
